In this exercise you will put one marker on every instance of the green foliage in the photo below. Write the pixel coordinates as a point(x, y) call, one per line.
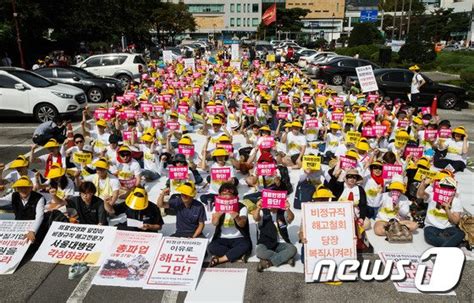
point(364, 34)
point(467, 75)
point(417, 51)
point(364, 51)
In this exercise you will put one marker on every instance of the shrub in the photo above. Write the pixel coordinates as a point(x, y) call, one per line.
point(467, 75)
point(364, 34)
point(417, 51)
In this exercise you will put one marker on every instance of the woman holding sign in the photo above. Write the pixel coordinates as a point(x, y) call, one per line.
point(444, 213)
point(231, 240)
point(456, 149)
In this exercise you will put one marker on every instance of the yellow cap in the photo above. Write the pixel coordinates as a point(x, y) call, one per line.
point(23, 181)
point(266, 128)
point(185, 140)
point(124, 148)
point(101, 122)
point(322, 193)
point(147, 138)
point(296, 124)
point(174, 115)
point(460, 130)
point(423, 161)
point(443, 174)
point(20, 161)
point(287, 124)
point(418, 121)
point(220, 152)
point(224, 138)
point(137, 199)
point(335, 126)
point(363, 145)
point(352, 153)
point(51, 143)
point(362, 109)
point(397, 185)
point(102, 163)
point(217, 121)
point(56, 171)
point(187, 189)
point(375, 164)
point(151, 131)
point(414, 67)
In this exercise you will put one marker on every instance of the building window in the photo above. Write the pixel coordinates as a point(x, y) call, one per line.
point(325, 11)
point(238, 21)
point(337, 7)
point(232, 7)
point(255, 8)
point(248, 22)
point(317, 11)
point(239, 7)
point(255, 22)
point(206, 8)
point(232, 22)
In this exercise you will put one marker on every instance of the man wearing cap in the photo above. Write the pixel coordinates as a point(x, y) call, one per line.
point(79, 155)
point(99, 135)
point(19, 168)
point(190, 213)
point(27, 205)
point(53, 156)
point(416, 83)
point(127, 169)
point(107, 185)
point(441, 220)
point(151, 161)
point(145, 215)
point(296, 144)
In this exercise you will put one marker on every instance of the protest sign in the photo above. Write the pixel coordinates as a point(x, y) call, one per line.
point(368, 116)
point(158, 108)
point(422, 173)
point(102, 113)
point(347, 163)
point(329, 229)
point(267, 142)
point(157, 123)
point(337, 116)
point(167, 56)
point(178, 172)
point(270, 58)
point(445, 133)
point(177, 265)
point(430, 134)
point(442, 195)
point(274, 198)
point(403, 123)
point(414, 152)
point(390, 170)
point(227, 146)
point(82, 158)
point(379, 130)
point(127, 135)
point(353, 137)
point(183, 109)
point(220, 174)
point(311, 123)
point(146, 107)
point(366, 77)
point(187, 150)
point(235, 64)
point(312, 162)
point(13, 244)
point(250, 110)
point(128, 260)
point(408, 284)
point(172, 125)
point(266, 169)
point(234, 51)
point(68, 243)
point(189, 63)
point(282, 115)
point(349, 119)
point(368, 132)
point(227, 204)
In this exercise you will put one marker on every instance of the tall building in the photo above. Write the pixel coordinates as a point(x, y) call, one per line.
point(459, 6)
point(325, 19)
point(228, 17)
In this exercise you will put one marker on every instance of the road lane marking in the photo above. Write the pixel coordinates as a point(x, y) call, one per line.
point(18, 127)
point(170, 296)
point(81, 290)
point(15, 145)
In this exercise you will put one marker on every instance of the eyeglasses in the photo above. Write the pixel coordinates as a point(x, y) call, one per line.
point(125, 154)
point(352, 176)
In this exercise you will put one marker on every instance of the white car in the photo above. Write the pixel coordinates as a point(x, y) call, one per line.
point(26, 93)
point(307, 57)
point(123, 66)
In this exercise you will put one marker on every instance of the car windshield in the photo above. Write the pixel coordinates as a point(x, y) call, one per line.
point(32, 78)
point(83, 73)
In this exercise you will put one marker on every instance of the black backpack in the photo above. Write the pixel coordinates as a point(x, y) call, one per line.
point(285, 178)
point(304, 193)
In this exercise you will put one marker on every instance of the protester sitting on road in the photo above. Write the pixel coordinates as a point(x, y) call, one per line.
point(127, 170)
point(441, 221)
point(190, 213)
point(456, 149)
point(141, 215)
point(58, 184)
point(231, 240)
point(89, 208)
point(27, 205)
point(394, 205)
point(18, 167)
point(53, 156)
point(274, 247)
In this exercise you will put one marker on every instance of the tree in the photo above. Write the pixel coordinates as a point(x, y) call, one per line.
point(417, 50)
point(174, 19)
point(417, 7)
point(364, 34)
point(288, 20)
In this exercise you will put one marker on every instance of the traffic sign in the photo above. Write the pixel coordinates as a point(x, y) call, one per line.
point(368, 16)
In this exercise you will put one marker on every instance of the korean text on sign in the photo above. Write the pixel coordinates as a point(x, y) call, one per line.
point(227, 204)
point(274, 198)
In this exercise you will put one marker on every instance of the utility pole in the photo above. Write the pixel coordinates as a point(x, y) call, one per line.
point(401, 21)
point(394, 17)
point(18, 39)
point(409, 17)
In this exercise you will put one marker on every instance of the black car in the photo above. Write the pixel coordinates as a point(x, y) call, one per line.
point(97, 89)
point(338, 69)
point(396, 83)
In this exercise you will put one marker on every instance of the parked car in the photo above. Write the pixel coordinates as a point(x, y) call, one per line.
point(97, 89)
point(25, 93)
point(123, 66)
point(305, 56)
point(322, 57)
point(396, 83)
point(336, 70)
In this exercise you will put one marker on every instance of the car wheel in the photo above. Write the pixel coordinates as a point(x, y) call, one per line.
point(125, 79)
point(448, 101)
point(95, 95)
point(45, 112)
point(337, 80)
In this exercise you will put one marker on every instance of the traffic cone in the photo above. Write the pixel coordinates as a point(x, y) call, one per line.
point(70, 135)
point(434, 107)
